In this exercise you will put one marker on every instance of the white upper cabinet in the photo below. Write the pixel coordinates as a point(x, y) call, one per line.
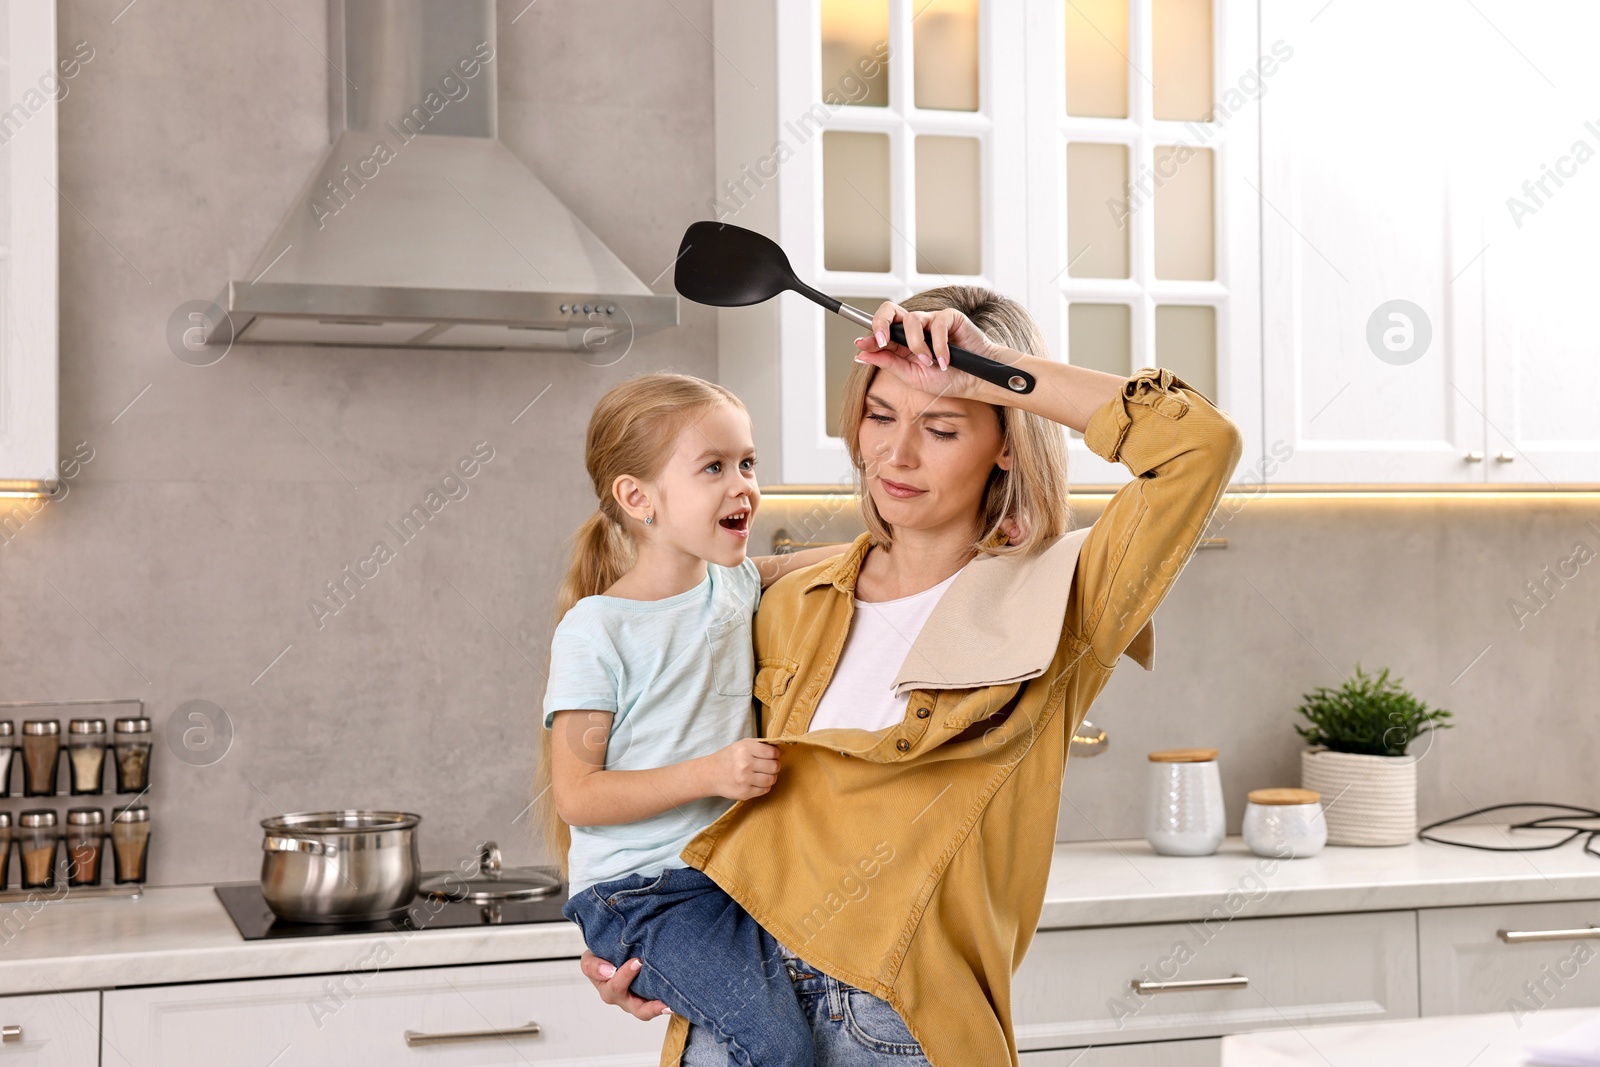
point(28, 273)
point(1090, 159)
point(1143, 235)
point(1537, 190)
point(1418, 328)
point(1372, 361)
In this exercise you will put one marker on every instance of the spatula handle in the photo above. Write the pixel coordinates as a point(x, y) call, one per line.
point(1017, 381)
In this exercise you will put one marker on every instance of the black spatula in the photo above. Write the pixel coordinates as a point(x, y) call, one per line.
point(729, 266)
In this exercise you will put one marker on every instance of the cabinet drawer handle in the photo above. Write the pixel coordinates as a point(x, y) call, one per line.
point(1517, 937)
point(1474, 456)
point(1238, 981)
point(415, 1037)
point(10, 1032)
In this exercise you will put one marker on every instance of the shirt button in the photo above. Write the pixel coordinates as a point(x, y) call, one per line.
point(923, 713)
point(903, 745)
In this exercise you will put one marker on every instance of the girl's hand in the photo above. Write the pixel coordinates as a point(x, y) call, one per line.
point(1014, 528)
point(924, 361)
point(612, 984)
point(743, 770)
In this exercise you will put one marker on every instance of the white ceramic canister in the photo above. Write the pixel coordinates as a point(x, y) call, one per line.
point(1184, 815)
point(1284, 823)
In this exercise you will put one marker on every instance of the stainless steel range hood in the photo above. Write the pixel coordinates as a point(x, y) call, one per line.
point(419, 228)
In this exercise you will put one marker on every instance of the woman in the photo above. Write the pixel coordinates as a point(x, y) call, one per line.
point(923, 687)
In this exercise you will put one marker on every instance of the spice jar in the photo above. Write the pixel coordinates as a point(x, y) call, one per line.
point(86, 754)
point(5, 850)
point(85, 842)
point(132, 747)
point(8, 742)
point(1184, 814)
point(41, 747)
point(130, 842)
point(36, 833)
point(1285, 823)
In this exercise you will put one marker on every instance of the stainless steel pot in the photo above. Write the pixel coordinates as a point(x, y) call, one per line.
point(340, 866)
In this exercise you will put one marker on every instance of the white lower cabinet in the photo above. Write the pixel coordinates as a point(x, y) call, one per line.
point(51, 1030)
point(494, 1014)
point(1082, 998)
point(1549, 957)
point(1077, 988)
point(1207, 1053)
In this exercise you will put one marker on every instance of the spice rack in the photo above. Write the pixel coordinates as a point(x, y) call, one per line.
point(106, 853)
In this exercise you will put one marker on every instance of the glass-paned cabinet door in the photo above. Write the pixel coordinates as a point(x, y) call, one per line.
point(903, 123)
point(1142, 141)
point(31, 79)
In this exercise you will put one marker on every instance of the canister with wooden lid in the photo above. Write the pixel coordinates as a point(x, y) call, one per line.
point(1184, 814)
point(1284, 823)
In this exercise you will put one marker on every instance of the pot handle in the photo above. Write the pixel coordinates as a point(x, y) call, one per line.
point(298, 844)
point(489, 865)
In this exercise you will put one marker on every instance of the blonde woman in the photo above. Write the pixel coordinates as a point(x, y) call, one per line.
point(921, 689)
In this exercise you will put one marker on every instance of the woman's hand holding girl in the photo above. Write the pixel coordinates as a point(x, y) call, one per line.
point(612, 984)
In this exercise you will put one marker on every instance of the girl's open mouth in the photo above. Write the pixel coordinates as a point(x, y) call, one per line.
point(737, 523)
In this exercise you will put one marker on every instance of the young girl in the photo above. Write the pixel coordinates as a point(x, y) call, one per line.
point(650, 722)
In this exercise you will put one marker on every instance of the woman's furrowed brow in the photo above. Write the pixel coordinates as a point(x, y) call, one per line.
point(921, 414)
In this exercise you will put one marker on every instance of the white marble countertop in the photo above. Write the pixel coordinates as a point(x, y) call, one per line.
point(1493, 1039)
point(182, 933)
point(1110, 883)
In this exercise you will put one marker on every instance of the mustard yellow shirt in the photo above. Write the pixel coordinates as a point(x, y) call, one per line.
point(911, 862)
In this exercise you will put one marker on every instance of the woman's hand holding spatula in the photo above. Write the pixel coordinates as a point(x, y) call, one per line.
point(925, 350)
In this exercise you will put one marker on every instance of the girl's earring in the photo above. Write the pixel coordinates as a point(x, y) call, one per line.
point(648, 519)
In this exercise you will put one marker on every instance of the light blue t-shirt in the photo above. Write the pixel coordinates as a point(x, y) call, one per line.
point(675, 674)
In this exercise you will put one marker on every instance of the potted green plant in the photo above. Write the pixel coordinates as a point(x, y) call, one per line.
point(1359, 733)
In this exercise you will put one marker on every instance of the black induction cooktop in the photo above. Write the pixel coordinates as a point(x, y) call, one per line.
point(248, 909)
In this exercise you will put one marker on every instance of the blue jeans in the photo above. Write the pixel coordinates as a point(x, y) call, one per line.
point(702, 955)
point(850, 1027)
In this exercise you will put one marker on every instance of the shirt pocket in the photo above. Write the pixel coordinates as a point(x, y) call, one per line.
point(732, 659)
point(963, 710)
point(986, 724)
point(772, 681)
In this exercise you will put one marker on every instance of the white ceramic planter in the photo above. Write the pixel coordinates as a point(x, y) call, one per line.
point(1366, 800)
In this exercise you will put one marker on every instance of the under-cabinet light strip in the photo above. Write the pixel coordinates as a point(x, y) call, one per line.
point(1581, 494)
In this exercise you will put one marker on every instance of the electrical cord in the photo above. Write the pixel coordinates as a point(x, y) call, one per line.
point(1541, 823)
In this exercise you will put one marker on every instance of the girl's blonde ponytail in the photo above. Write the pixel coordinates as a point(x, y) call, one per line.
point(601, 553)
point(633, 431)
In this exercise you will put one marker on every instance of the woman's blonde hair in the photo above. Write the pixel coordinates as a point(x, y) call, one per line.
point(633, 431)
point(1034, 490)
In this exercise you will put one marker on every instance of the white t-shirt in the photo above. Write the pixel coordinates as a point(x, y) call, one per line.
point(861, 693)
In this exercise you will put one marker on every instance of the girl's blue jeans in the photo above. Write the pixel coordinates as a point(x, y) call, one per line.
point(704, 957)
point(849, 1027)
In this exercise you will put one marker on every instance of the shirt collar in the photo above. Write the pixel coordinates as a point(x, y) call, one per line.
point(1041, 581)
point(841, 571)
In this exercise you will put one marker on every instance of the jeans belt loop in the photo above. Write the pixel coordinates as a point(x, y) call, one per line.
point(835, 996)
